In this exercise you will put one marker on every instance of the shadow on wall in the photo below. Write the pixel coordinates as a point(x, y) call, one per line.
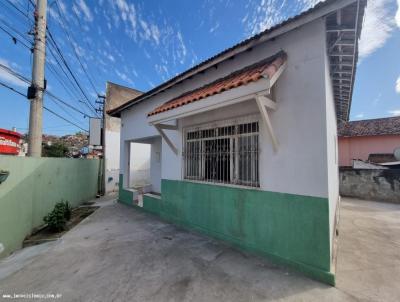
point(32, 189)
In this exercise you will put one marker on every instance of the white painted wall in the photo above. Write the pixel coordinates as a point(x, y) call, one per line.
point(155, 164)
point(305, 121)
point(332, 151)
point(112, 142)
point(300, 165)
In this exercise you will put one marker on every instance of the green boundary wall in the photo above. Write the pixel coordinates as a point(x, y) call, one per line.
point(32, 189)
point(287, 229)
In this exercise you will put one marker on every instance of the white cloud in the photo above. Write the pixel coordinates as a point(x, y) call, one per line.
point(124, 77)
point(111, 57)
point(398, 85)
point(377, 28)
point(378, 25)
point(377, 100)
point(397, 17)
point(85, 10)
point(7, 77)
point(214, 28)
point(263, 14)
point(62, 6)
point(310, 3)
point(79, 50)
point(360, 116)
point(182, 51)
point(395, 112)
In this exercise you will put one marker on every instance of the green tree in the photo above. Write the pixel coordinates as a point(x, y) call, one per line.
point(55, 150)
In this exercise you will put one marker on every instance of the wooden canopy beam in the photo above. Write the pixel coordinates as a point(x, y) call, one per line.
point(262, 106)
point(160, 129)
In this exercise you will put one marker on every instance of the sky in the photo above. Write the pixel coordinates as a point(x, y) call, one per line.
point(142, 43)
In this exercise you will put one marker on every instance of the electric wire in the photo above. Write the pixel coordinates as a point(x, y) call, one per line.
point(71, 42)
point(44, 107)
point(50, 94)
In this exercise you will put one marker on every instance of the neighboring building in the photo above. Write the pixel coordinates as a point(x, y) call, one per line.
point(10, 142)
point(372, 140)
point(244, 145)
point(116, 95)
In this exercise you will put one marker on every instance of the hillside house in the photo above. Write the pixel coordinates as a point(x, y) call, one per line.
point(244, 145)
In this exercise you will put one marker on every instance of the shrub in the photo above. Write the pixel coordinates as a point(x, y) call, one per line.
point(58, 217)
point(67, 211)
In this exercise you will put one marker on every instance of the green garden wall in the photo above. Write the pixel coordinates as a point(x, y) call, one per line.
point(288, 229)
point(34, 186)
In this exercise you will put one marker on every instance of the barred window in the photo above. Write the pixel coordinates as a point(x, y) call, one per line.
point(225, 153)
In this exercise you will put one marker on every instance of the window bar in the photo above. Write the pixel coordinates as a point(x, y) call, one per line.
point(225, 154)
point(186, 156)
point(189, 159)
point(246, 160)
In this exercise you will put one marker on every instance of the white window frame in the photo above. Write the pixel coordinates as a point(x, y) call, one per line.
point(254, 181)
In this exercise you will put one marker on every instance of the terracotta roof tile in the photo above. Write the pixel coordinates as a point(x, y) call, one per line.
point(264, 68)
point(382, 126)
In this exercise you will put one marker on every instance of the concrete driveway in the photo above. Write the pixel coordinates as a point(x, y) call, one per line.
point(121, 254)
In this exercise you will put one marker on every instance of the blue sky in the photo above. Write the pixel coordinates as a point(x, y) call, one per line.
point(143, 43)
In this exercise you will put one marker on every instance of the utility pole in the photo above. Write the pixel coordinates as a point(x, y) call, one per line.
point(102, 110)
point(36, 91)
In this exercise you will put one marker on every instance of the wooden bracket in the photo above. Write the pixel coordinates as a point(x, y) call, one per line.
point(267, 102)
point(159, 128)
point(277, 74)
point(263, 103)
point(167, 127)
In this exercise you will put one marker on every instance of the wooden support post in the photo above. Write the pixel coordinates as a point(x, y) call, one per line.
point(166, 138)
point(267, 122)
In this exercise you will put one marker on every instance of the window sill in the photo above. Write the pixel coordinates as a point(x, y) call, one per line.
point(153, 196)
point(222, 184)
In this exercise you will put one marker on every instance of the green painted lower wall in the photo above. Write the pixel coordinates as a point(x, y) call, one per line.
point(34, 186)
point(152, 204)
point(124, 196)
point(289, 229)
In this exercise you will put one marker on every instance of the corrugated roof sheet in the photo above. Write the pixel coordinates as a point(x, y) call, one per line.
point(265, 68)
point(381, 126)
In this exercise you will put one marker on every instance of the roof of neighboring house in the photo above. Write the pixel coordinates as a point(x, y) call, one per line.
point(265, 68)
point(324, 7)
point(381, 126)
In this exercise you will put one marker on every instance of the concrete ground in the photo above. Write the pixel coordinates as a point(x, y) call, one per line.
point(121, 254)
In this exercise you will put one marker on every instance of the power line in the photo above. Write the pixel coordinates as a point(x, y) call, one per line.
point(65, 103)
point(15, 30)
point(12, 89)
point(72, 83)
point(68, 68)
point(61, 81)
point(69, 38)
point(15, 74)
point(93, 109)
point(63, 118)
point(44, 107)
point(14, 38)
point(28, 81)
point(67, 75)
point(60, 65)
point(19, 10)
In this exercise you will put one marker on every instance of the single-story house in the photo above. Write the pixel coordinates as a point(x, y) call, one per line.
point(244, 145)
point(372, 140)
point(116, 95)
